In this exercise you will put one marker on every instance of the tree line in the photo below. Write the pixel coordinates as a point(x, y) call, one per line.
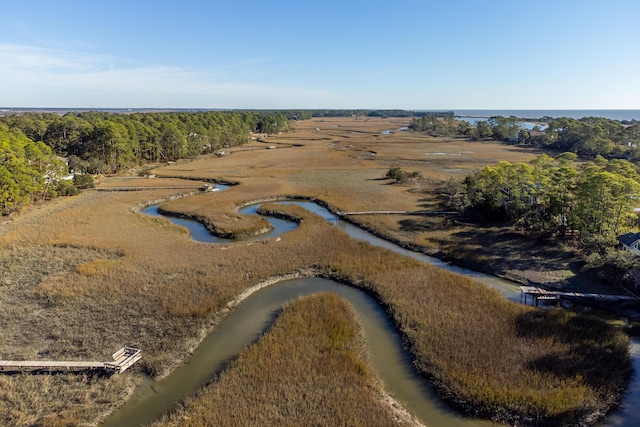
point(591, 136)
point(99, 142)
point(38, 149)
point(587, 137)
point(309, 114)
point(29, 171)
point(501, 128)
point(550, 196)
point(591, 204)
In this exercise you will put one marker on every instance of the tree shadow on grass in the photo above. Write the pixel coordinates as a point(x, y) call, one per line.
point(587, 347)
point(417, 225)
point(433, 204)
point(512, 250)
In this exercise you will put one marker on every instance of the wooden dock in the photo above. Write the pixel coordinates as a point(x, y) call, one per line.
point(132, 188)
point(417, 213)
point(540, 294)
point(122, 360)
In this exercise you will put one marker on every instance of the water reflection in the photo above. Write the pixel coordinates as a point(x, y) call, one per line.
point(200, 233)
point(628, 415)
point(247, 322)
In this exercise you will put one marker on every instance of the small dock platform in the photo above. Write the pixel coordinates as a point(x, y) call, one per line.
point(122, 360)
point(540, 294)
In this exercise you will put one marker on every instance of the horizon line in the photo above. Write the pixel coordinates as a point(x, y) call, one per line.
point(5, 108)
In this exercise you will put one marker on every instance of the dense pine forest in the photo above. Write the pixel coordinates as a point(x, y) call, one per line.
point(550, 196)
point(27, 170)
point(42, 151)
point(38, 150)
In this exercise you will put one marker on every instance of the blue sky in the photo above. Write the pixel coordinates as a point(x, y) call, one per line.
point(411, 54)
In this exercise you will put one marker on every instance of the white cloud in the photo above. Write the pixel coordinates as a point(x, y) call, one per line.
point(15, 60)
point(43, 77)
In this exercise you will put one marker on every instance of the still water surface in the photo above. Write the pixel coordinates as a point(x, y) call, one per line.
point(200, 233)
point(245, 325)
point(392, 363)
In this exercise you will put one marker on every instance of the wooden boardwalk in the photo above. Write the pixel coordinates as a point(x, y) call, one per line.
point(418, 213)
point(122, 360)
point(132, 188)
point(539, 294)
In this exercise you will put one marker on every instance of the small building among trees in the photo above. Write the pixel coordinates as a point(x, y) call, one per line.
point(630, 242)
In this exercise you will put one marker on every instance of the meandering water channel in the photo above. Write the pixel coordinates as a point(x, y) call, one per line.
point(391, 361)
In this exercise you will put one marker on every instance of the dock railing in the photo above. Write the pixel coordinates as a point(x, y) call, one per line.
point(540, 294)
point(122, 360)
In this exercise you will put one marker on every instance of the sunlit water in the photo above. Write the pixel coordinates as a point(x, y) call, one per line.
point(390, 360)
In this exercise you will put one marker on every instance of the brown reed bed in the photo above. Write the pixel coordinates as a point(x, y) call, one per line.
point(310, 368)
point(91, 274)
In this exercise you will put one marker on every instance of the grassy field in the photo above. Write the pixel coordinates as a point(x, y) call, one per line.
point(342, 162)
point(83, 275)
point(317, 341)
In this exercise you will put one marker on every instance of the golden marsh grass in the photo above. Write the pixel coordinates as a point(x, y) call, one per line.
point(84, 275)
point(317, 341)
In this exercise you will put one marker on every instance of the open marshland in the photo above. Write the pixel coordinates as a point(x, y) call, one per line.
point(83, 275)
point(318, 342)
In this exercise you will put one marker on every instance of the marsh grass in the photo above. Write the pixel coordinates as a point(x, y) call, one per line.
point(57, 400)
point(84, 275)
point(309, 368)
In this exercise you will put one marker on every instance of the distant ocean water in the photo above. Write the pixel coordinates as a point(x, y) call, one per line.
point(536, 114)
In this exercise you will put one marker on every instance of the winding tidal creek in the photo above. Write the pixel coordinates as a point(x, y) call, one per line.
point(248, 320)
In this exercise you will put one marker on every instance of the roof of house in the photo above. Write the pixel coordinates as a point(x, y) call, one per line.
point(629, 238)
point(537, 133)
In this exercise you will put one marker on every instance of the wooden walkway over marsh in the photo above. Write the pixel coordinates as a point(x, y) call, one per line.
point(204, 188)
point(540, 294)
point(141, 188)
point(122, 360)
point(417, 213)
